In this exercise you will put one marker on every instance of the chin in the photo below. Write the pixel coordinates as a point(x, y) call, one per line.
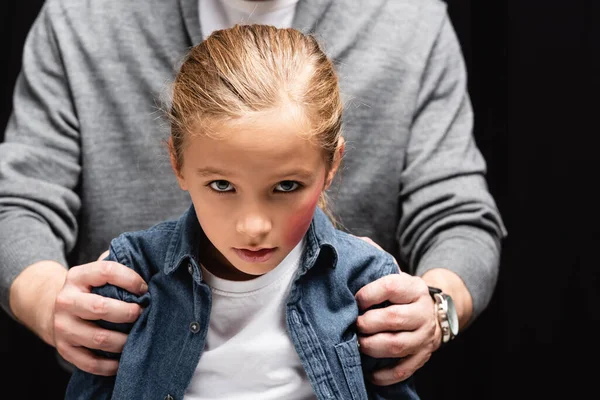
point(258, 271)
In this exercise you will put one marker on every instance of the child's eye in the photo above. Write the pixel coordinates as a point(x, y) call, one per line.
point(287, 186)
point(221, 186)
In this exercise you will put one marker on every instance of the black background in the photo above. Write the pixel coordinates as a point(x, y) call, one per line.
point(533, 78)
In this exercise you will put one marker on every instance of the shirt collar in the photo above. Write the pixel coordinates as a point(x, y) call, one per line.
point(183, 247)
point(306, 19)
point(320, 243)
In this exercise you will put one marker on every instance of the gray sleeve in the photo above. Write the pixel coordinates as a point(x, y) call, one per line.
point(39, 160)
point(449, 219)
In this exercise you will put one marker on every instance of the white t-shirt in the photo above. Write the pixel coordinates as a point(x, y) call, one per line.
point(248, 354)
point(222, 14)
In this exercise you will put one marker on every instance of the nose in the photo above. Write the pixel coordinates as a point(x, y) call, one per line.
point(254, 225)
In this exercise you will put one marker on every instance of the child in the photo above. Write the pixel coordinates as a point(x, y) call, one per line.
point(251, 292)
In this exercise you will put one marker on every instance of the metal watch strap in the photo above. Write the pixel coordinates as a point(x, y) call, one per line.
point(441, 305)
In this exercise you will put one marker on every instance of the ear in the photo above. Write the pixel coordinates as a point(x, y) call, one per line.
point(337, 160)
point(176, 168)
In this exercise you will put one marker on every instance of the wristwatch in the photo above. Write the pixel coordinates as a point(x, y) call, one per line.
point(446, 314)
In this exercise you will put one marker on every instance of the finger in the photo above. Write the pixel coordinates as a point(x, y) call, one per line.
point(103, 255)
point(99, 273)
point(405, 317)
point(94, 307)
point(90, 335)
point(89, 362)
point(391, 344)
point(397, 288)
point(402, 371)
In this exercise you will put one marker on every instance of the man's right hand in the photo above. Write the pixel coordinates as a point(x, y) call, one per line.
point(57, 304)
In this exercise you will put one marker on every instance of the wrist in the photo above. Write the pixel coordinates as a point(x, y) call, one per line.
point(452, 285)
point(32, 297)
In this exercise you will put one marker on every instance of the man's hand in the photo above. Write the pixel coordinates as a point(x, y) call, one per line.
point(58, 306)
point(407, 328)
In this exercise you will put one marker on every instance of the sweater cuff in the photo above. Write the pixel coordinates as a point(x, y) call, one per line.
point(20, 247)
point(473, 255)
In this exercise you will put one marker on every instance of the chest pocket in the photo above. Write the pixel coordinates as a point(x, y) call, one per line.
point(349, 357)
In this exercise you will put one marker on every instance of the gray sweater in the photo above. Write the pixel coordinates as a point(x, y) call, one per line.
point(84, 156)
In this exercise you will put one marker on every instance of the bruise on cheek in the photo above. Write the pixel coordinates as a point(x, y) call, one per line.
point(300, 221)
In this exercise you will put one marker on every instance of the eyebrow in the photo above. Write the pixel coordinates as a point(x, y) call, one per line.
point(210, 171)
point(303, 174)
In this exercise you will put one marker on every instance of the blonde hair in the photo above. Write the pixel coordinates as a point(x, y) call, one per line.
point(255, 68)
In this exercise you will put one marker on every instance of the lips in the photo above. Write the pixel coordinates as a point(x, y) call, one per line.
point(255, 256)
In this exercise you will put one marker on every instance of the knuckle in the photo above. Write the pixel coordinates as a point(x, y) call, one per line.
point(63, 301)
point(71, 272)
point(397, 348)
point(63, 333)
point(360, 323)
point(100, 338)
point(399, 373)
point(99, 306)
point(365, 293)
point(60, 328)
point(389, 284)
point(133, 313)
point(366, 344)
point(420, 286)
point(378, 380)
point(395, 315)
point(359, 296)
point(62, 348)
point(106, 268)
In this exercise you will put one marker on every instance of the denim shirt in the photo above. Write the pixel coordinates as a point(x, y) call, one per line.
point(166, 342)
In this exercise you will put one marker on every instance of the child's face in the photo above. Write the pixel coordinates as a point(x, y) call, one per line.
point(254, 189)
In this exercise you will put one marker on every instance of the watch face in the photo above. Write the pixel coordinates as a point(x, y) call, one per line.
point(452, 316)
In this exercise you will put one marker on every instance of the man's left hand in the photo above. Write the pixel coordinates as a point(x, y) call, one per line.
point(408, 328)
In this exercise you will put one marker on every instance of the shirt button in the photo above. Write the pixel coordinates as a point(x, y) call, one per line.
point(190, 269)
point(169, 397)
point(195, 327)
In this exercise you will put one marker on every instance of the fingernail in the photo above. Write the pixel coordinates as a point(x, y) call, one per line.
point(143, 288)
